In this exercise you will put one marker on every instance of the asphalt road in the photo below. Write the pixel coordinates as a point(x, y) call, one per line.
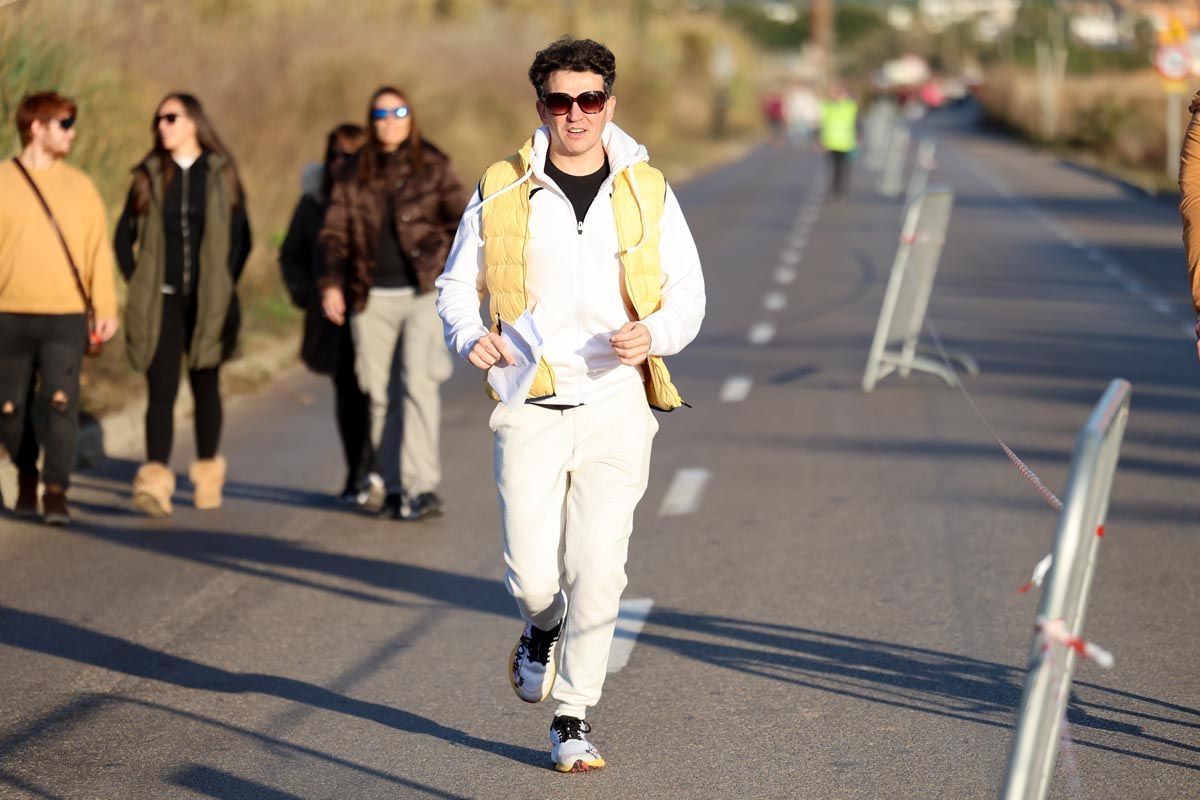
point(832, 605)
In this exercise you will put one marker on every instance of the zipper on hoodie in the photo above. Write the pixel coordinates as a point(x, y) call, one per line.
point(187, 244)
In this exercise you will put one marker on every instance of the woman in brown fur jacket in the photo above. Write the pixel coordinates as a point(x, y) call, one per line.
point(391, 219)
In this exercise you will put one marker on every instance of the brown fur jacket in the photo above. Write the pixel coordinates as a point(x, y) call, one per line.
point(428, 205)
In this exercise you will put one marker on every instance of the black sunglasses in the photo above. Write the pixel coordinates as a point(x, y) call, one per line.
point(66, 123)
point(559, 103)
point(167, 118)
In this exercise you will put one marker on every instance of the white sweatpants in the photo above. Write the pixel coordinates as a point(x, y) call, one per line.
point(569, 482)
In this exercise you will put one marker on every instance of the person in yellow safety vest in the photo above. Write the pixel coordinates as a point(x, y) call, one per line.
point(578, 230)
point(839, 135)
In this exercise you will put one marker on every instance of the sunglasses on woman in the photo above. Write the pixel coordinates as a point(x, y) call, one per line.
point(167, 118)
point(559, 103)
point(399, 112)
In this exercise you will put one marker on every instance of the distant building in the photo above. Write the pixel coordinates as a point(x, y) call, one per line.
point(994, 14)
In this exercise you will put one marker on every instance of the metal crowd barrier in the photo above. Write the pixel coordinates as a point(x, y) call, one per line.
point(1064, 599)
point(923, 166)
point(878, 128)
point(891, 179)
point(895, 347)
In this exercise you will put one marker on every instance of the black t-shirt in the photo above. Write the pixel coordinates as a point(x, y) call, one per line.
point(581, 190)
point(392, 268)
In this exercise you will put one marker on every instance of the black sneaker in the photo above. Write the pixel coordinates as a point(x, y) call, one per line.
point(569, 748)
point(395, 506)
point(532, 665)
point(426, 504)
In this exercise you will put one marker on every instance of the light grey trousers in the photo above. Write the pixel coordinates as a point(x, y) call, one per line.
point(401, 360)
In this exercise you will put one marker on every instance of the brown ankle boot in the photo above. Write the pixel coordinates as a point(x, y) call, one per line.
point(54, 505)
point(152, 489)
point(27, 495)
point(208, 480)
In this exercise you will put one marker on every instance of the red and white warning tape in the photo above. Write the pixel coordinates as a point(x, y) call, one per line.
point(1043, 567)
point(1054, 631)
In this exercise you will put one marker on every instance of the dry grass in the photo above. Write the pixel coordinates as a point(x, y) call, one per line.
point(1115, 120)
point(275, 75)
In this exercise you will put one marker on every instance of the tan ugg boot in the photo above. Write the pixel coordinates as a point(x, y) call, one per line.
point(152, 489)
point(208, 478)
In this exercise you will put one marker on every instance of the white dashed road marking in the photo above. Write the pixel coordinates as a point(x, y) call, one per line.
point(774, 301)
point(683, 496)
point(785, 275)
point(630, 621)
point(1161, 306)
point(736, 389)
point(761, 333)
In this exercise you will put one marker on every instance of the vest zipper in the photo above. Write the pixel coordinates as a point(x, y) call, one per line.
point(580, 227)
point(187, 244)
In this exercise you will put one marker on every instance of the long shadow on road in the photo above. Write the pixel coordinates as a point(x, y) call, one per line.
point(50, 636)
point(265, 556)
point(912, 678)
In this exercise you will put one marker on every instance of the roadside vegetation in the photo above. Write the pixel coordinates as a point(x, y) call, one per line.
point(275, 75)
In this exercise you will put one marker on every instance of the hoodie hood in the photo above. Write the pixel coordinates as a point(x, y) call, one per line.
point(622, 149)
point(311, 177)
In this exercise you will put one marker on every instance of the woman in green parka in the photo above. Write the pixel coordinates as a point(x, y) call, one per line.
point(182, 242)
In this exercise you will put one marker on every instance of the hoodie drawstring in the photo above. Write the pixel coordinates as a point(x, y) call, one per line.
point(483, 201)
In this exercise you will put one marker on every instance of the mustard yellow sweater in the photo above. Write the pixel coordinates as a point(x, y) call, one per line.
point(35, 277)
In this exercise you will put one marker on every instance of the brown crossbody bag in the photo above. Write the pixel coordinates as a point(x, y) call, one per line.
point(94, 346)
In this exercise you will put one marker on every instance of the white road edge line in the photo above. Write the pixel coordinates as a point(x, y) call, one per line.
point(785, 275)
point(736, 388)
point(683, 495)
point(630, 621)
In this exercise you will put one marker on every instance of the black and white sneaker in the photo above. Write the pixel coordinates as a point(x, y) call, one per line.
point(426, 504)
point(569, 748)
point(532, 666)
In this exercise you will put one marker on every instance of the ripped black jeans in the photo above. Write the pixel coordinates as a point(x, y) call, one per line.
point(53, 345)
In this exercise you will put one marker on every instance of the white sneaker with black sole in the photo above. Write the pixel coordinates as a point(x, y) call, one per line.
point(569, 748)
point(532, 665)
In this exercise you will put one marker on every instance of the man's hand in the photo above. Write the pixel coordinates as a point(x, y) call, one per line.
point(333, 303)
point(631, 343)
point(106, 328)
point(489, 350)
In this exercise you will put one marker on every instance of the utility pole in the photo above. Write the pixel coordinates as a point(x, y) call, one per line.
point(822, 35)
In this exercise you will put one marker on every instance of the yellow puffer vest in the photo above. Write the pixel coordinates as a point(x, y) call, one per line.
point(505, 232)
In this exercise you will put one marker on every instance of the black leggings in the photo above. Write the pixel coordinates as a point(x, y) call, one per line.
point(52, 346)
point(353, 411)
point(162, 379)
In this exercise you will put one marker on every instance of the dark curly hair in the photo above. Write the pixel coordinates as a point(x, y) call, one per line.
point(573, 55)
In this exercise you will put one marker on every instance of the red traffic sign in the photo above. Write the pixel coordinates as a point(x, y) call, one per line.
point(1173, 62)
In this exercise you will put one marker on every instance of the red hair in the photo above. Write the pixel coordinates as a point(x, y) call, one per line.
point(41, 107)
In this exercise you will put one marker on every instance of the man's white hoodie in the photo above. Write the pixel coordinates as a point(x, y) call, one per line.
point(574, 280)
